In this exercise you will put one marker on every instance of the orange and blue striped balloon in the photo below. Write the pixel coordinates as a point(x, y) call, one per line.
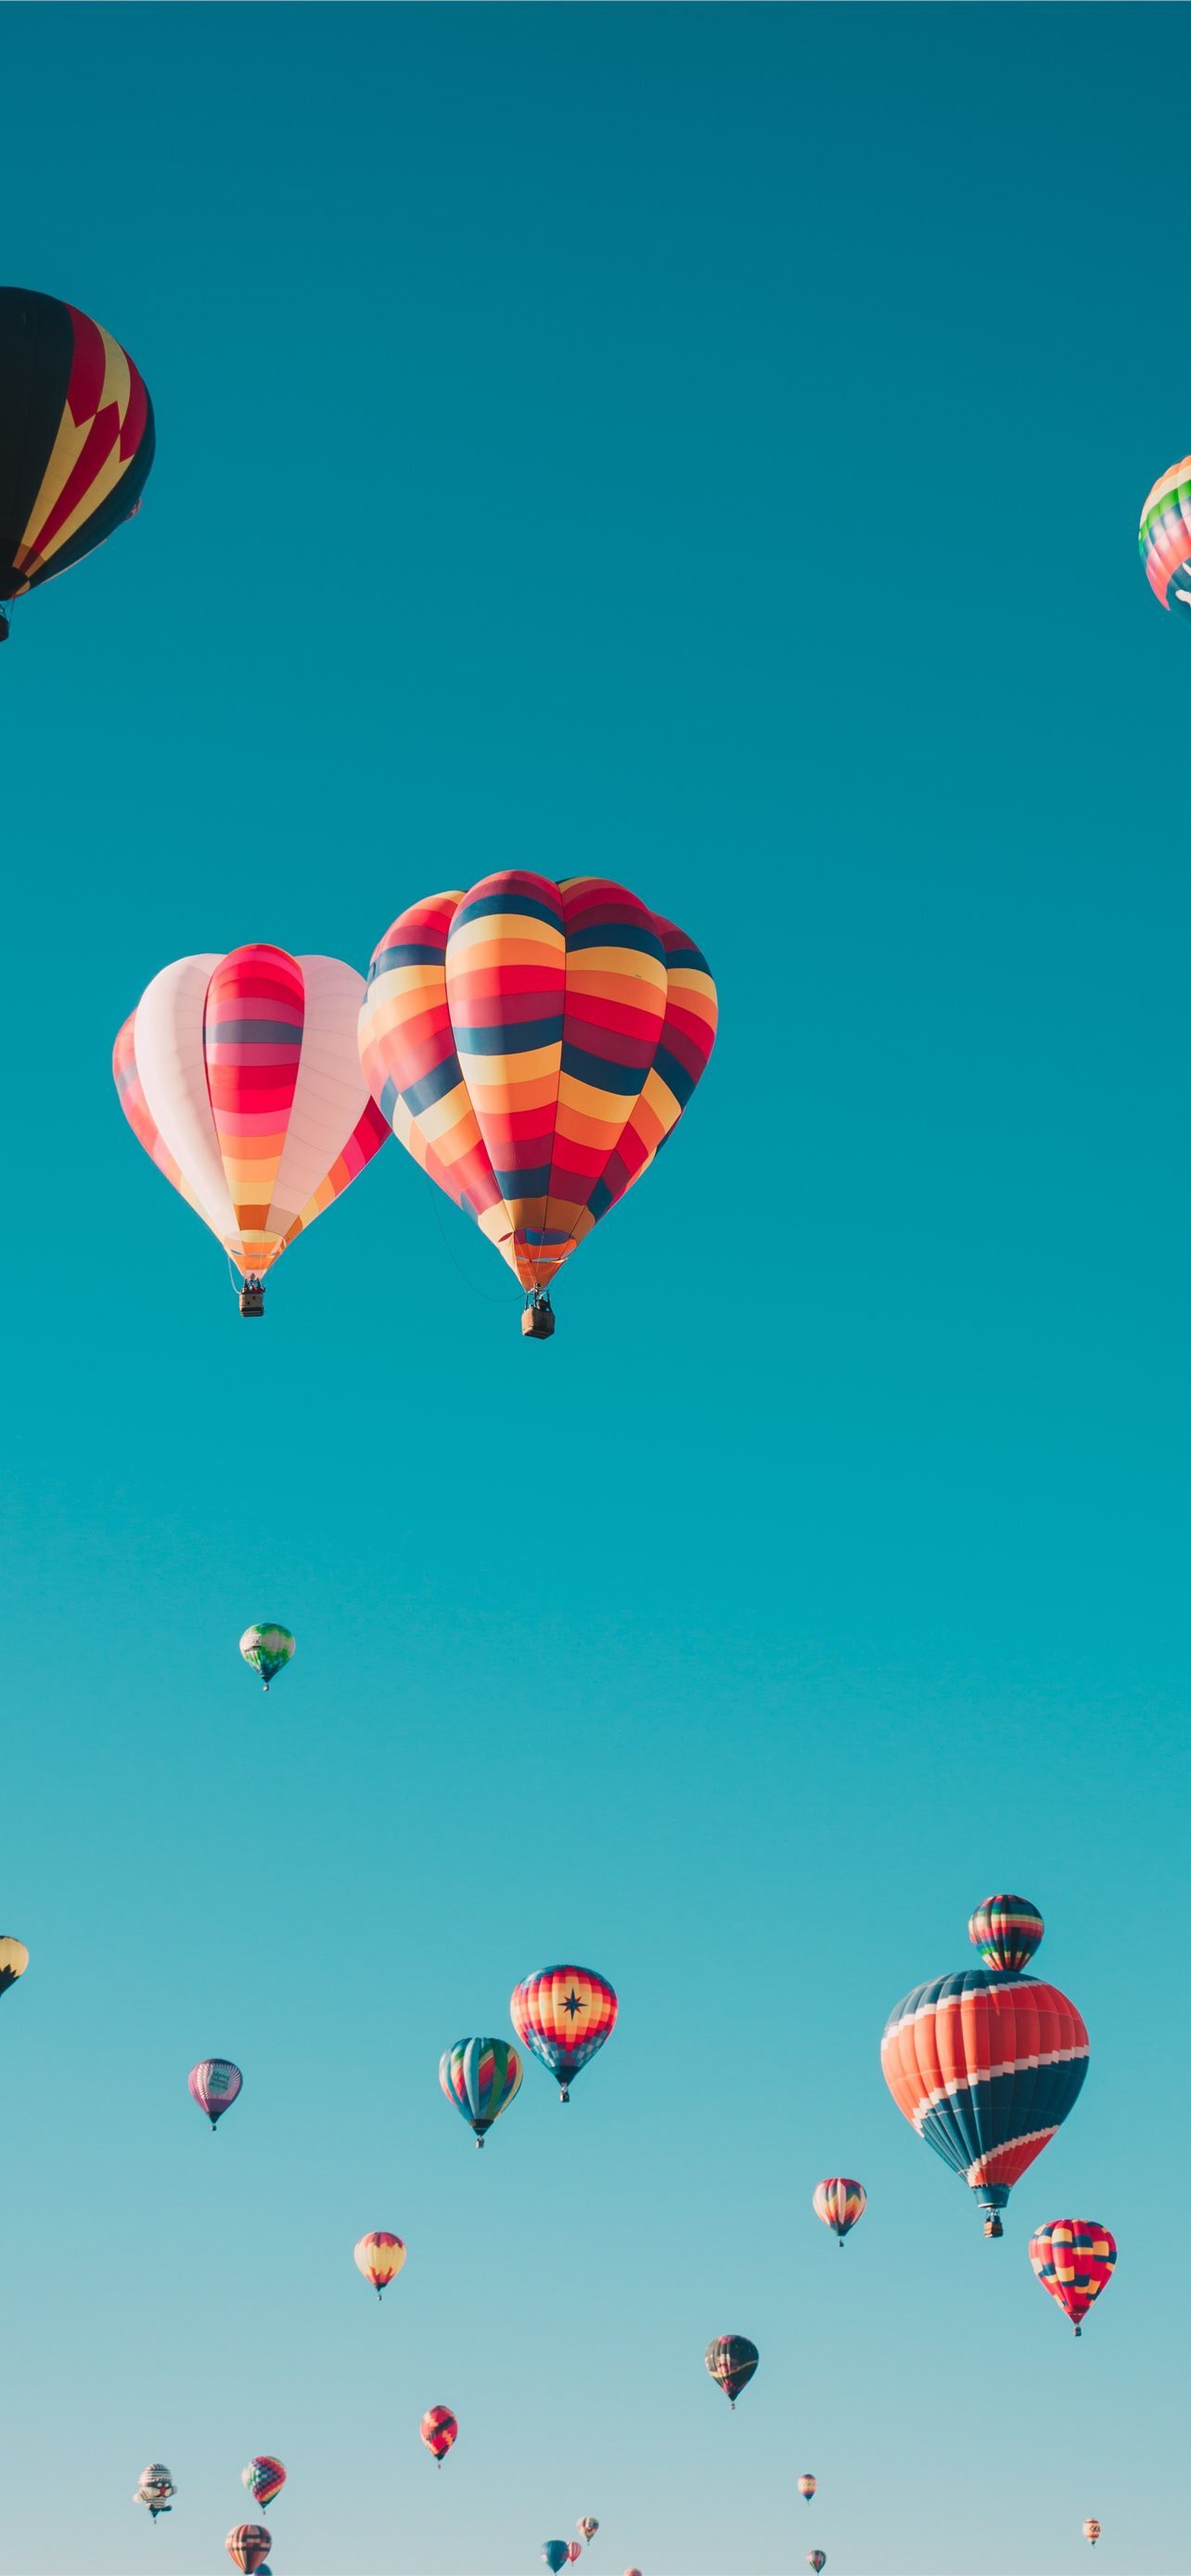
point(533, 1044)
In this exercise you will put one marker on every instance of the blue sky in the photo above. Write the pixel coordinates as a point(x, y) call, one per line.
point(703, 445)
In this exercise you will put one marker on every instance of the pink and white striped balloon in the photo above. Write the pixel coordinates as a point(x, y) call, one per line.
point(214, 2084)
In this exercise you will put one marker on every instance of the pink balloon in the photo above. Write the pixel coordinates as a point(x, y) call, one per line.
point(214, 2084)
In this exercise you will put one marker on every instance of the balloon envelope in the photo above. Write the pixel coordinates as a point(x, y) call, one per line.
point(533, 1044)
point(480, 2076)
point(985, 2067)
point(1164, 538)
point(379, 2256)
point(564, 2014)
point(839, 2202)
point(555, 2554)
point(807, 2485)
point(239, 1076)
point(1074, 2259)
point(439, 2430)
point(732, 2359)
point(1006, 1930)
point(588, 2525)
point(574, 2552)
point(816, 2558)
point(14, 1959)
point(264, 2478)
point(267, 1648)
point(76, 437)
point(1091, 2530)
point(214, 2084)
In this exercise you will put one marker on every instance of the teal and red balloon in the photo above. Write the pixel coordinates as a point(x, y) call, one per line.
point(731, 2359)
point(1074, 2259)
point(480, 2076)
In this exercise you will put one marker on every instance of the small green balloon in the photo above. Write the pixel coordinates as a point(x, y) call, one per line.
point(267, 1648)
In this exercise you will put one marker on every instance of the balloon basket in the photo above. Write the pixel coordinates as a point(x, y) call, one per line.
point(537, 1319)
point(252, 1302)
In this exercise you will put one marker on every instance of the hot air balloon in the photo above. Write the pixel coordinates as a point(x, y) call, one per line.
point(379, 2257)
point(76, 439)
point(439, 2431)
point(839, 2203)
point(564, 2015)
point(574, 2552)
point(248, 2546)
point(1073, 2258)
point(1006, 1930)
point(1164, 538)
point(154, 2487)
point(588, 2525)
point(264, 2478)
point(732, 2359)
point(555, 2554)
point(1091, 2530)
point(986, 2066)
point(807, 2485)
point(14, 1959)
point(239, 1076)
point(267, 1648)
point(480, 2076)
point(816, 2558)
point(533, 1045)
point(214, 2084)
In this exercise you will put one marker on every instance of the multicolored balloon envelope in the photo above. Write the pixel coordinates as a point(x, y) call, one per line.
point(267, 1649)
point(732, 2359)
point(248, 2547)
point(533, 1044)
point(439, 2431)
point(379, 2256)
point(817, 2558)
point(588, 2525)
point(1006, 1930)
point(986, 2066)
point(14, 1959)
point(1074, 2259)
point(1091, 2530)
point(214, 2084)
point(480, 2076)
point(564, 2015)
point(839, 2202)
point(239, 1076)
point(1164, 538)
point(264, 2478)
point(807, 2485)
point(76, 438)
point(555, 2554)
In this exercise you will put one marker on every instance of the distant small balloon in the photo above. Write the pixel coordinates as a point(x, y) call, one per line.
point(574, 2552)
point(555, 2554)
point(588, 2525)
point(807, 2485)
point(839, 2203)
point(248, 2547)
point(14, 1959)
point(264, 2478)
point(154, 2487)
point(1091, 2530)
point(732, 2359)
point(480, 2076)
point(379, 2256)
point(267, 1648)
point(1006, 1930)
point(214, 2084)
point(1164, 538)
point(439, 2431)
point(816, 2558)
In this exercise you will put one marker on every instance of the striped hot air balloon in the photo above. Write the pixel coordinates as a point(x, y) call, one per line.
point(588, 2525)
point(574, 2552)
point(1074, 2259)
point(817, 2558)
point(1164, 538)
point(564, 2015)
point(76, 438)
point(264, 2478)
point(480, 2076)
point(839, 2203)
point(807, 2485)
point(248, 2546)
point(1091, 2530)
point(532, 1045)
point(439, 2431)
point(985, 2065)
point(731, 2359)
point(1006, 1930)
point(379, 2256)
point(214, 2084)
point(240, 1077)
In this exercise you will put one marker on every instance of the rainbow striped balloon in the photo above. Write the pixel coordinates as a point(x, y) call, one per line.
point(264, 2478)
point(1006, 1930)
point(839, 2202)
point(480, 2076)
point(533, 1044)
point(1164, 538)
point(1074, 2260)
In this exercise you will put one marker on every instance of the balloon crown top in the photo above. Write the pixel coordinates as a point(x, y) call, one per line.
point(1006, 1930)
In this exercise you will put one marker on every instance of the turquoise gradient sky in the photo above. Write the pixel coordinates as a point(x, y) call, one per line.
point(704, 445)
